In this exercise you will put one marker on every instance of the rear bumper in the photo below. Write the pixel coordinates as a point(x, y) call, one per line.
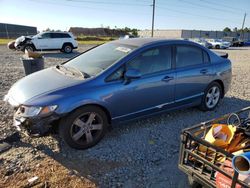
point(34, 126)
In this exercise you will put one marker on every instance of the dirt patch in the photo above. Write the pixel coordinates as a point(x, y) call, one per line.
point(50, 173)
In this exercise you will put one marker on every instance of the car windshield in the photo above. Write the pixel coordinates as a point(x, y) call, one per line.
point(100, 58)
point(218, 40)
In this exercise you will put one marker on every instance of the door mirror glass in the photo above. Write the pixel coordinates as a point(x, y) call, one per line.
point(132, 74)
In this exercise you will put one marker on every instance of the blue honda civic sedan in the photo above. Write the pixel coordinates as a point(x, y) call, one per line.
point(118, 81)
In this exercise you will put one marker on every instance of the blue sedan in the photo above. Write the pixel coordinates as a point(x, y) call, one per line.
point(118, 81)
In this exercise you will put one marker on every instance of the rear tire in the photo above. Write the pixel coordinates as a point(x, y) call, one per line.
point(84, 127)
point(67, 48)
point(211, 97)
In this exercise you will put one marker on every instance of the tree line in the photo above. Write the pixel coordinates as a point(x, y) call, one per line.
point(246, 30)
point(131, 31)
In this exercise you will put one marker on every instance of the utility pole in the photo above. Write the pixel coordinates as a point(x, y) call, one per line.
point(153, 19)
point(242, 32)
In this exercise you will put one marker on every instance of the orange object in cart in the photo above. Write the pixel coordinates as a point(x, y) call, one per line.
point(219, 135)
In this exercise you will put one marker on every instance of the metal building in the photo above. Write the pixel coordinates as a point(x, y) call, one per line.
point(14, 31)
point(177, 34)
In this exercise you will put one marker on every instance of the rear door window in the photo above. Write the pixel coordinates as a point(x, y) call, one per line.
point(60, 35)
point(55, 35)
point(187, 55)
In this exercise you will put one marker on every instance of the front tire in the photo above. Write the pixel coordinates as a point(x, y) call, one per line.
point(217, 47)
point(84, 127)
point(212, 97)
point(29, 48)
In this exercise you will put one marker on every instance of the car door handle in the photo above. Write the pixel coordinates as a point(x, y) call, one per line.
point(167, 78)
point(204, 71)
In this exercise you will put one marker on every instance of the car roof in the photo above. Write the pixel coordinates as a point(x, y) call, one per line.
point(64, 32)
point(146, 41)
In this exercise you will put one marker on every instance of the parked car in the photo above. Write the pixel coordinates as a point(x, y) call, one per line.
point(63, 41)
point(234, 41)
point(202, 42)
point(126, 37)
point(247, 43)
point(118, 81)
point(219, 43)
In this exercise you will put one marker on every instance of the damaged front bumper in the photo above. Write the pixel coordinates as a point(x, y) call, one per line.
point(34, 126)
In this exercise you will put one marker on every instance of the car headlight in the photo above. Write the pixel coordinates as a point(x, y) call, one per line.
point(31, 111)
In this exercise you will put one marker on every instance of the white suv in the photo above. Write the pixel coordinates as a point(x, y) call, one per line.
point(63, 41)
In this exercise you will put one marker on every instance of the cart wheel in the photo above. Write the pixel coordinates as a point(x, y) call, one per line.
point(193, 183)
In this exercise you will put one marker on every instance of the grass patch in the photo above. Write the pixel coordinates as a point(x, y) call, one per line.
point(91, 42)
point(5, 41)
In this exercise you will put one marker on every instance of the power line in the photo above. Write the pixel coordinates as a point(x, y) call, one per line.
point(224, 5)
point(106, 3)
point(87, 7)
point(210, 7)
point(183, 6)
point(121, 11)
point(196, 15)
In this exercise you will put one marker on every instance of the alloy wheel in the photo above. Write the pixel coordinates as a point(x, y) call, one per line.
point(29, 48)
point(212, 97)
point(86, 128)
point(67, 49)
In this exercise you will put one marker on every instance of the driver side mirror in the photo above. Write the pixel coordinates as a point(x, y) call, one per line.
point(131, 74)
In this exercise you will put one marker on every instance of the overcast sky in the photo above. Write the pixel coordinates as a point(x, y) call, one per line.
point(169, 14)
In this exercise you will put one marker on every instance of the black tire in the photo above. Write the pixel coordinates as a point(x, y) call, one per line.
point(29, 48)
point(68, 128)
point(193, 183)
point(217, 47)
point(67, 48)
point(214, 95)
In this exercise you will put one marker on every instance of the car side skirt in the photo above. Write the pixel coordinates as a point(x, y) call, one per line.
point(165, 107)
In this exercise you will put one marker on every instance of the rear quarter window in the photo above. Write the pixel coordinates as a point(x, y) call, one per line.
point(65, 35)
point(206, 57)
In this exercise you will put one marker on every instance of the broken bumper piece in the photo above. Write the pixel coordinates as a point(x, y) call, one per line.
point(36, 126)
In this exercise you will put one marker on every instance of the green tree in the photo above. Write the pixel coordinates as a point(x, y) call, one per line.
point(135, 32)
point(246, 30)
point(227, 29)
point(127, 29)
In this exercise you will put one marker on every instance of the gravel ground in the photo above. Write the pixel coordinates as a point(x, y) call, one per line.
point(142, 153)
